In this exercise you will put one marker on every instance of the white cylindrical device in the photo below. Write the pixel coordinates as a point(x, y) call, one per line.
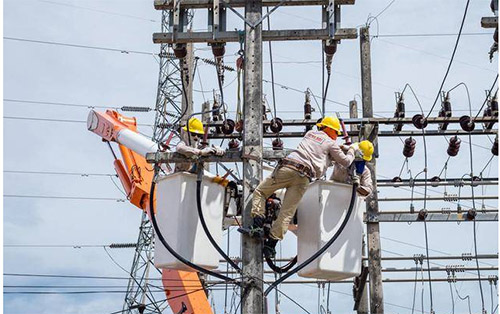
point(136, 142)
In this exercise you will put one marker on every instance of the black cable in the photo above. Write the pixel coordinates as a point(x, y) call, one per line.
point(271, 60)
point(204, 224)
point(487, 96)
point(328, 75)
point(79, 46)
point(320, 251)
point(451, 59)
point(168, 247)
point(282, 269)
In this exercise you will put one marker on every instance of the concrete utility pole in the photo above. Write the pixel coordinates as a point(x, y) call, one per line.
point(252, 300)
point(370, 132)
point(353, 114)
point(188, 65)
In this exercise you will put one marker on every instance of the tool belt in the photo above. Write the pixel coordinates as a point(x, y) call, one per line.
point(302, 169)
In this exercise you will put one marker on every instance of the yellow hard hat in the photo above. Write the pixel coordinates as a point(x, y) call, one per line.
point(366, 147)
point(330, 122)
point(195, 126)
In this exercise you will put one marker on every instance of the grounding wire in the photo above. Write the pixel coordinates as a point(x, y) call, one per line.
point(451, 59)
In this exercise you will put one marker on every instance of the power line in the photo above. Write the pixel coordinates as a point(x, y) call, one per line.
point(72, 246)
point(435, 55)
point(100, 11)
point(124, 51)
point(431, 35)
point(57, 120)
point(82, 277)
point(80, 198)
point(57, 104)
point(451, 59)
point(80, 174)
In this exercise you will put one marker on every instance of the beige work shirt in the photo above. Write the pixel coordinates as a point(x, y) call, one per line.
point(186, 150)
point(341, 174)
point(317, 151)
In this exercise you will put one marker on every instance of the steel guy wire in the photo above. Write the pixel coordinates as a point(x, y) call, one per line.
point(451, 59)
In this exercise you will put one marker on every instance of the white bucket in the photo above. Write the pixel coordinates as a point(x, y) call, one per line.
point(179, 223)
point(320, 214)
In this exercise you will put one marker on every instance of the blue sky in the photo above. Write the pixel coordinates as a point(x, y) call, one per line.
point(50, 73)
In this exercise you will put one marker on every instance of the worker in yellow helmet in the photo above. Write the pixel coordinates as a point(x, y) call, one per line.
point(190, 144)
point(358, 171)
point(315, 153)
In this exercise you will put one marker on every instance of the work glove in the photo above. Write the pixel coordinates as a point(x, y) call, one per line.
point(355, 149)
point(219, 151)
point(344, 148)
point(362, 191)
point(207, 151)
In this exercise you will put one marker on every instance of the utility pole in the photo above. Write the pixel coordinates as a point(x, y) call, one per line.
point(370, 132)
point(252, 300)
point(187, 100)
point(353, 114)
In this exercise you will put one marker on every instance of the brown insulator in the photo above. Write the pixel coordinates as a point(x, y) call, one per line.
point(276, 125)
point(419, 121)
point(409, 148)
point(453, 146)
point(466, 123)
point(277, 144)
point(233, 144)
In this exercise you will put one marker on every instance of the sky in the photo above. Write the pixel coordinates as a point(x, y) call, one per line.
point(55, 138)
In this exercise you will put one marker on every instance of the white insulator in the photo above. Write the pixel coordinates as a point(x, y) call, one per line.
point(136, 142)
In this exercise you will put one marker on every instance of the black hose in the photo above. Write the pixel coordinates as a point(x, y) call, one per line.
point(321, 251)
point(283, 269)
point(169, 248)
point(204, 224)
point(325, 93)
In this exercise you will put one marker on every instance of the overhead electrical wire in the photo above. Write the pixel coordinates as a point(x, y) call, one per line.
point(123, 51)
point(451, 59)
point(100, 11)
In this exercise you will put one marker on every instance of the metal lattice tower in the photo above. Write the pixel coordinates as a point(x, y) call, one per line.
point(139, 297)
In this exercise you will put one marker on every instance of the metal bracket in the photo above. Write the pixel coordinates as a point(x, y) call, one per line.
point(331, 18)
point(370, 218)
point(253, 25)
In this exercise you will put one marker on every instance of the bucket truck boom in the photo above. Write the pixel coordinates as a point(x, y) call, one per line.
point(182, 288)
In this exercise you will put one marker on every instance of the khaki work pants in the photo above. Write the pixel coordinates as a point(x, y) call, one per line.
point(295, 184)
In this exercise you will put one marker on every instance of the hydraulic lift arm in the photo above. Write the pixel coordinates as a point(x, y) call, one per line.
point(184, 290)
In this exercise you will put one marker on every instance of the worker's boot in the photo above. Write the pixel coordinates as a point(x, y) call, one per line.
point(269, 248)
point(256, 230)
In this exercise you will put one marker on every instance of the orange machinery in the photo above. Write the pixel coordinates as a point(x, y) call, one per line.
point(183, 289)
